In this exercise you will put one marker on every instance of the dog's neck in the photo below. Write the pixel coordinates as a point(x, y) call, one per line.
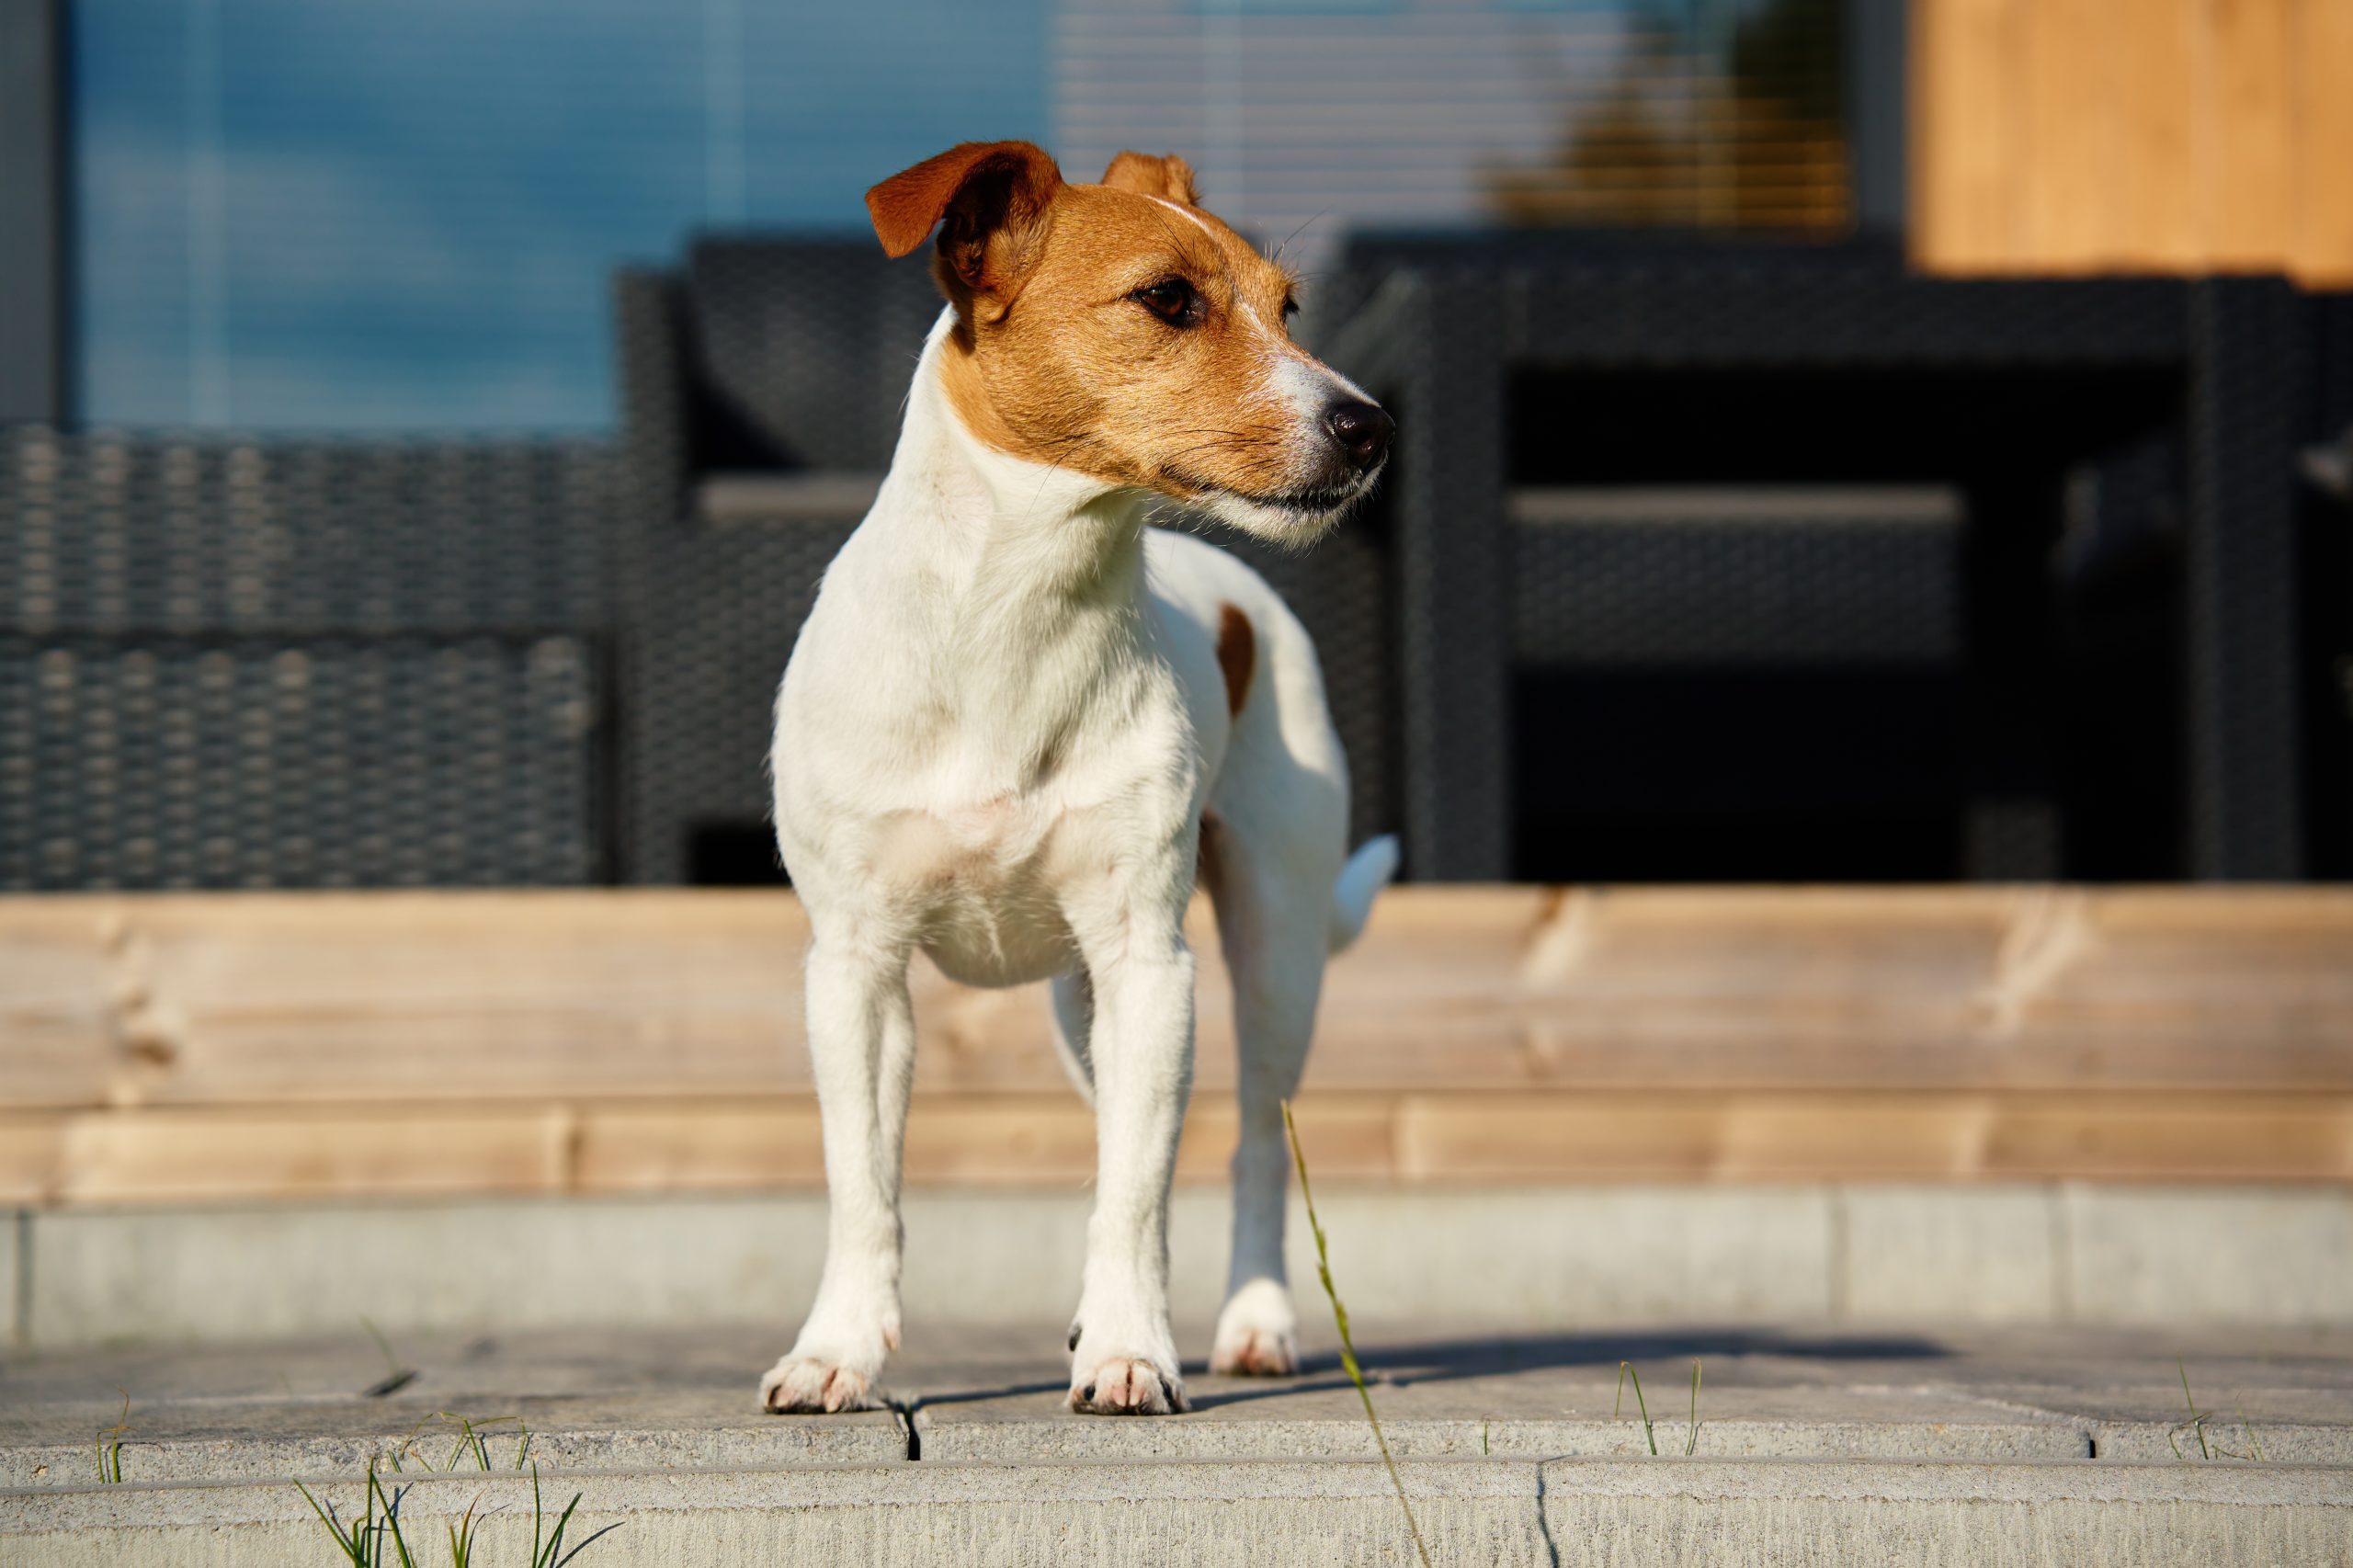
point(1002, 530)
point(1017, 586)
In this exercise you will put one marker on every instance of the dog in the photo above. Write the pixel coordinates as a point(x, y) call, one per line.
point(1019, 724)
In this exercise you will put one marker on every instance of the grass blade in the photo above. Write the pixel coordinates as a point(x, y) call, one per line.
point(344, 1543)
point(537, 1515)
point(1625, 1370)
point(1347, 1345)
point(392, 1524)
point(2196, 1422)
point(2253, 1441)
point(590, 1541)
point(396, 1376)
point(462, 1537)
point(1691, 1444)
point(555, 1541)
point(110, 1454)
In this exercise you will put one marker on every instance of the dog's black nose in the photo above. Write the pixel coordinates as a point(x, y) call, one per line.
point(1364, 431)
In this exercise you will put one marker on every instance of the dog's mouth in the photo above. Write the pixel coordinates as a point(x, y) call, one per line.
point(1305, 504)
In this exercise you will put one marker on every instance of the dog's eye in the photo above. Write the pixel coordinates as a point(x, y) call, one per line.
point(1290, 309)
point(1174, 300)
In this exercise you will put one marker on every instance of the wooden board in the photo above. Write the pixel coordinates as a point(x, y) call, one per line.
point(300, 1045)
point(1019, 1140)
point(2182, 136)
point(473, 998)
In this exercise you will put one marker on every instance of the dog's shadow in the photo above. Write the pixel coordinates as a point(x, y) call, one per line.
point(1406, 1363)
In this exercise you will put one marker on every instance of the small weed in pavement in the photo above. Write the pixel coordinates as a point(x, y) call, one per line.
point(1347, 1345)
point(110, 1454)
point(363, 1542)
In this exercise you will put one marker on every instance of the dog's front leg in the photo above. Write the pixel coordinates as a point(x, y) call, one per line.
point(861, 1047)
point(1124, 1357)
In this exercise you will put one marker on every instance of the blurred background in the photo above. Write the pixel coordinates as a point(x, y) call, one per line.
point(513, 367)
point(1844, 441)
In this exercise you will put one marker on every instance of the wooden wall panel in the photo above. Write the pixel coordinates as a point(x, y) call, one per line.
point(306, 1046)
point(2323, 57)
point(2076, 136)
point(476, 999)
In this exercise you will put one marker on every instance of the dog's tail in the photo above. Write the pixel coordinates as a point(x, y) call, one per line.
point(1366, 872)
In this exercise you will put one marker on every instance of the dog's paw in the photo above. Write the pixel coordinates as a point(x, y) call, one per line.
point(805, 1384)
point(1128, 1385)
point(1253, 1353)
point(1255, 1333)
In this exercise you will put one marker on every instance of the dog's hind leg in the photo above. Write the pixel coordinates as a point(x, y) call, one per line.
point(861, 1048)
point(1074, 996)
point(1273, 929)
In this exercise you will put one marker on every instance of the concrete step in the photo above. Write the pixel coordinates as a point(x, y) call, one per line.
point(1470, 1511)
point(1518, 1258)
point(1808, 1445)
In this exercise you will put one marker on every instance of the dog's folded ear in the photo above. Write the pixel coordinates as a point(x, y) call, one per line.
point(990, 200)
point(1169, 177)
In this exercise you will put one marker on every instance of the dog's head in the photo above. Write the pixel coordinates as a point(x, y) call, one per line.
point(1118, 331)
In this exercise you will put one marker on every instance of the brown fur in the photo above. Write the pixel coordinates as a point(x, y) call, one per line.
point(1054, 360)
point(1169, 177)
point(991, 198)
point(1237, 655)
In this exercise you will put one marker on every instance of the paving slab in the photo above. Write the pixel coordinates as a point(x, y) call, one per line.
point(636, 1399)
point(1533, 1415)
point(1970, 1394)
point(1506, 1512)
point(615, 1400)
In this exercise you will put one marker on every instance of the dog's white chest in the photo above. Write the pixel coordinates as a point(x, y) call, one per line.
point(983, 882)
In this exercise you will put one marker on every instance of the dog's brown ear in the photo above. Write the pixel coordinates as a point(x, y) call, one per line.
point(990, 200)
point(1169, 177)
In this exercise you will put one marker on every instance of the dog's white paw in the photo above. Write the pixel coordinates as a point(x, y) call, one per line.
point(1128, 1385)
point(807, 1384)
point(1256, 1335)
point(1253, 1353)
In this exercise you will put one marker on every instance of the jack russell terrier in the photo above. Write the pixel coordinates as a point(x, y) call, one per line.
point(1019, 723)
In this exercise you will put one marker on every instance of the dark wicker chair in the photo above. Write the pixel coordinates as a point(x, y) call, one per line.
point(2119, 457)
point(227, 663)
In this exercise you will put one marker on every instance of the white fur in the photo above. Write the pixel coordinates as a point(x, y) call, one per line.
point(996, 741)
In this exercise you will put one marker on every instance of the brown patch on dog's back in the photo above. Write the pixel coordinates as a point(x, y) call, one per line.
point(1237, 655)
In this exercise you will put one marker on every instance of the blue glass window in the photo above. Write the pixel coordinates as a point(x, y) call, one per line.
point(346, 214)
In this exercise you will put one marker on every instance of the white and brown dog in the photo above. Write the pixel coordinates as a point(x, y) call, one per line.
point(1019, 723)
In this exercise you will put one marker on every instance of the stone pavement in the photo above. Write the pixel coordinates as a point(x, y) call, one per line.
point(1811, 1445)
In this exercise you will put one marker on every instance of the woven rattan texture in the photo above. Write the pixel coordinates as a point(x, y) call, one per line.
point(809, 344)
point(1697, 591)
point(116, 533)
point(721, 610)
point(243, 663)
point(154, 761)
